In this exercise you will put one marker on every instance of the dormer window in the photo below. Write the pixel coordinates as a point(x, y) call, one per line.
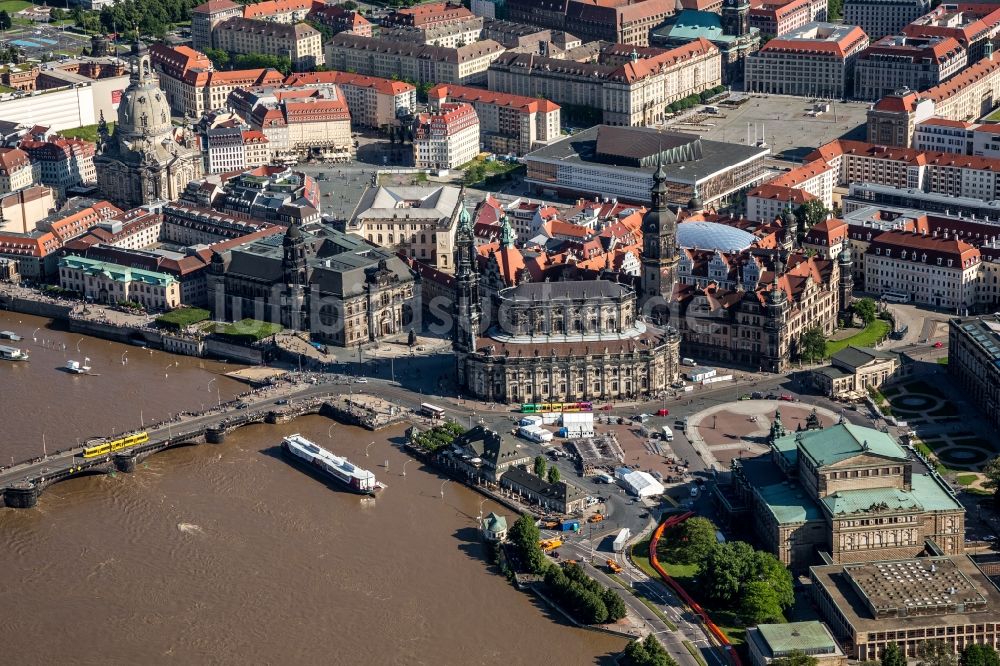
point(904, 254)
point(939, 261)
point(950, 262)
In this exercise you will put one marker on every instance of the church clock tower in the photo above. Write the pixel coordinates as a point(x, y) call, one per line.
point(659, 252)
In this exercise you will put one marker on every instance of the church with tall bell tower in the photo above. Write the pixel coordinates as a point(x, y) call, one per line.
point(660, 253)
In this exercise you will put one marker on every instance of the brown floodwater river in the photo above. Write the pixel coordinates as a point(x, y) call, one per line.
point(226, 554)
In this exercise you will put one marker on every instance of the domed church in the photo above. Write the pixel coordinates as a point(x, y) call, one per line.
point(147, 159)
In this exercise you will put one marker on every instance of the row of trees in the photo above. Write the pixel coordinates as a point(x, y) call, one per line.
point(581, 596)
point(732, 575)
point(223, 60)
point(552, 473)
point(152, 18)
point(647, 652)
point(438, 437)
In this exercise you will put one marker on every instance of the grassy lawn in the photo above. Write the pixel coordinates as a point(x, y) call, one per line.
point(945, 410)
point(871, 334)
point(943, 360)
point(975, 442)
point(695, 652)
point(183, 317)
point(250, 330)
point(12, 6)
point(966, 479)
point(934, 444)
point(87, 132)
point(993, 117)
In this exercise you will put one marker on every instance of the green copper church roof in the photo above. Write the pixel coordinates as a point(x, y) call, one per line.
point(690, 24)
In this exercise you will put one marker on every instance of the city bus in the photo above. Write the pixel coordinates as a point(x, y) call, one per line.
point(433, 411)
point(895, 297)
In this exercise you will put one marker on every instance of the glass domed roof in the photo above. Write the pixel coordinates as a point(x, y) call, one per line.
point(713, 236)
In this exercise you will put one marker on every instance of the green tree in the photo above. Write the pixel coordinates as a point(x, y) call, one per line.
point(553, 475)
point(616, 608)
point(647, 652)
point(759, 604)
point(691, 542)
point(722, 572)
point(979, 654)
point(935, 653)
point(795, 658)
point(540, 466)
point(5, 21)
point(524, 534)
point(219, 58)
point(892, 655)
point(812, 344)
point(57, 14)
point(834, 9)
point(811, 212)
point(992, 473)
point(866, 309)
point(475, 173)
point(349, 5)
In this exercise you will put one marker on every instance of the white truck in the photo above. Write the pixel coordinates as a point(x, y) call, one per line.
point(668, 434)
point(622, 539)
point(535, 434)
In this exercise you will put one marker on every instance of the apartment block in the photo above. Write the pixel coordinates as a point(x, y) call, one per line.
point(300, 42)
point(507, 123)
point(914, 63)
point(450, 35)
point(61, 163)
point(879, 18)
point(206, 16)
point(779, 17)
point(971, 25)
point(966, 96)
point(616, 21)
point(816, 60)
point(633, 92)
point(446, 139)
point(389, 59)
point(373, 102)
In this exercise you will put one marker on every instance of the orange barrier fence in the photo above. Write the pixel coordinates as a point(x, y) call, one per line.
point(682, 593)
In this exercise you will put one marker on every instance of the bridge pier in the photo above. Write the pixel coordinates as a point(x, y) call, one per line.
point(22, 495)
point(124, 463)
point(215, 435)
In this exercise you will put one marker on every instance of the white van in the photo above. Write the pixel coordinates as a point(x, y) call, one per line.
point(688, 361)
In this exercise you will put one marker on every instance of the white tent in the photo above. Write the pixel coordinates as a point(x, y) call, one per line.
point(641, 484)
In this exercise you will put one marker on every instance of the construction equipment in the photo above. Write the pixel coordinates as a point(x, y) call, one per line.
point(551, 524)
point(548, 545)
point(613, 566)
point(596, 518)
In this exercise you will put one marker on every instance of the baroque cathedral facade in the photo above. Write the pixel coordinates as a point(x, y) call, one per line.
point(568, 340)
point(147, 159)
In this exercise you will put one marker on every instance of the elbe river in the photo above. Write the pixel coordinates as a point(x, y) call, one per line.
point(226, 554)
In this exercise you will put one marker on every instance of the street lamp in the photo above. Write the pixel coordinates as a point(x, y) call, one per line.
point(442, 487)
point(78, 345)
point(329, 431)
point(485, 499)
point(367, 448)
point(124, 355)
point(407, 462)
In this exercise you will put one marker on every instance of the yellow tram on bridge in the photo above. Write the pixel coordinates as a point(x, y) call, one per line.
point(114, 445)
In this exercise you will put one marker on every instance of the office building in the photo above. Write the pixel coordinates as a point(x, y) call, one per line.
point(300, 42)
point(507, 123)
point(879, 18)
point(446, 138)
point(391, 59)
point(816, 60)
point(898, 62)
point(627, 89)
point(372, 102)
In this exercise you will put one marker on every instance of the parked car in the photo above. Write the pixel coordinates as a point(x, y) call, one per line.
point(787, 398)
point(361, 380)
point(938, 345)
point(663, 412)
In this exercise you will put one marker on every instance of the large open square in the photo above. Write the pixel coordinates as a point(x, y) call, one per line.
point(786, 123)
